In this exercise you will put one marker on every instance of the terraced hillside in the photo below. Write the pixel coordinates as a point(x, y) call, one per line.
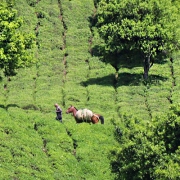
point(33, 144)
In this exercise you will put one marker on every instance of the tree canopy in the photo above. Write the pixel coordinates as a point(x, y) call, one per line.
point(14, 45)
point(149, 27)
point(149, 150)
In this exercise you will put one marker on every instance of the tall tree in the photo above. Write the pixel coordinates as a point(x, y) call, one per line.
point(149, 27)
point(14, 45)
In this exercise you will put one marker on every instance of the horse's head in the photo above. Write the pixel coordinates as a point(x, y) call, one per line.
point(70, 109)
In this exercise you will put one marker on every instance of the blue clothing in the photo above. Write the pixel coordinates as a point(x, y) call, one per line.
point(59, 113)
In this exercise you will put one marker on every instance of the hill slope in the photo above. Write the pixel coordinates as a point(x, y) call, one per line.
point(33, 144)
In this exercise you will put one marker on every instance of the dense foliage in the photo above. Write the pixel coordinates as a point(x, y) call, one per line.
point(149, 150)
point(14, 45)
point(145, 27)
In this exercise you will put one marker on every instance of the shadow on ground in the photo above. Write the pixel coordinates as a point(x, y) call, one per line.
point(124, 79)
point(8, 106)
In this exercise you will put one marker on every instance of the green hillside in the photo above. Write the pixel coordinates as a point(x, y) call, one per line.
point(33, 145)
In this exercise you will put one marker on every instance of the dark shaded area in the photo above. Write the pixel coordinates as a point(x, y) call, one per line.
point(126, 58)
point(8, 106)
point(124, 79)
point(27, 107)
point(104, 81)
point(35, 126)
point(30, 107)
point(8, 130)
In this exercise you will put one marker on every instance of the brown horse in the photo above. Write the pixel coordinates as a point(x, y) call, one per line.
point(85, 115)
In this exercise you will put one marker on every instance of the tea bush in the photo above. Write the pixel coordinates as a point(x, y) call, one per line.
point(70, 71)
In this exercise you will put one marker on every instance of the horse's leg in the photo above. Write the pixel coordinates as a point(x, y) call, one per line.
point(78, 121)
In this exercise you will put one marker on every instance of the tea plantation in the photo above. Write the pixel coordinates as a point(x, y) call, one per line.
point(33, 145)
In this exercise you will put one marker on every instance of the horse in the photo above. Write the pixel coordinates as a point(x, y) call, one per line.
point(85, 115)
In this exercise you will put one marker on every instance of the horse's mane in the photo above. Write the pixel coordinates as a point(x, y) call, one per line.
point(76, 108)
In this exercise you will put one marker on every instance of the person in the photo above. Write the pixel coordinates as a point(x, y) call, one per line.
point(58, 112)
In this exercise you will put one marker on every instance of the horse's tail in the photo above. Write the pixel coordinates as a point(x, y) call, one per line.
point(101, 119)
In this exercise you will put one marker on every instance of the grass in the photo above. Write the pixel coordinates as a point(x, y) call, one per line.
point(36, 146)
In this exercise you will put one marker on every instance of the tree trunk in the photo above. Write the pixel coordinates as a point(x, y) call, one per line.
point(147, 66)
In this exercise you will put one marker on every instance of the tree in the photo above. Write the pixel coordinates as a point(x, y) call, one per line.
point(149, 150)
point(147, 27)
point(14, 46)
